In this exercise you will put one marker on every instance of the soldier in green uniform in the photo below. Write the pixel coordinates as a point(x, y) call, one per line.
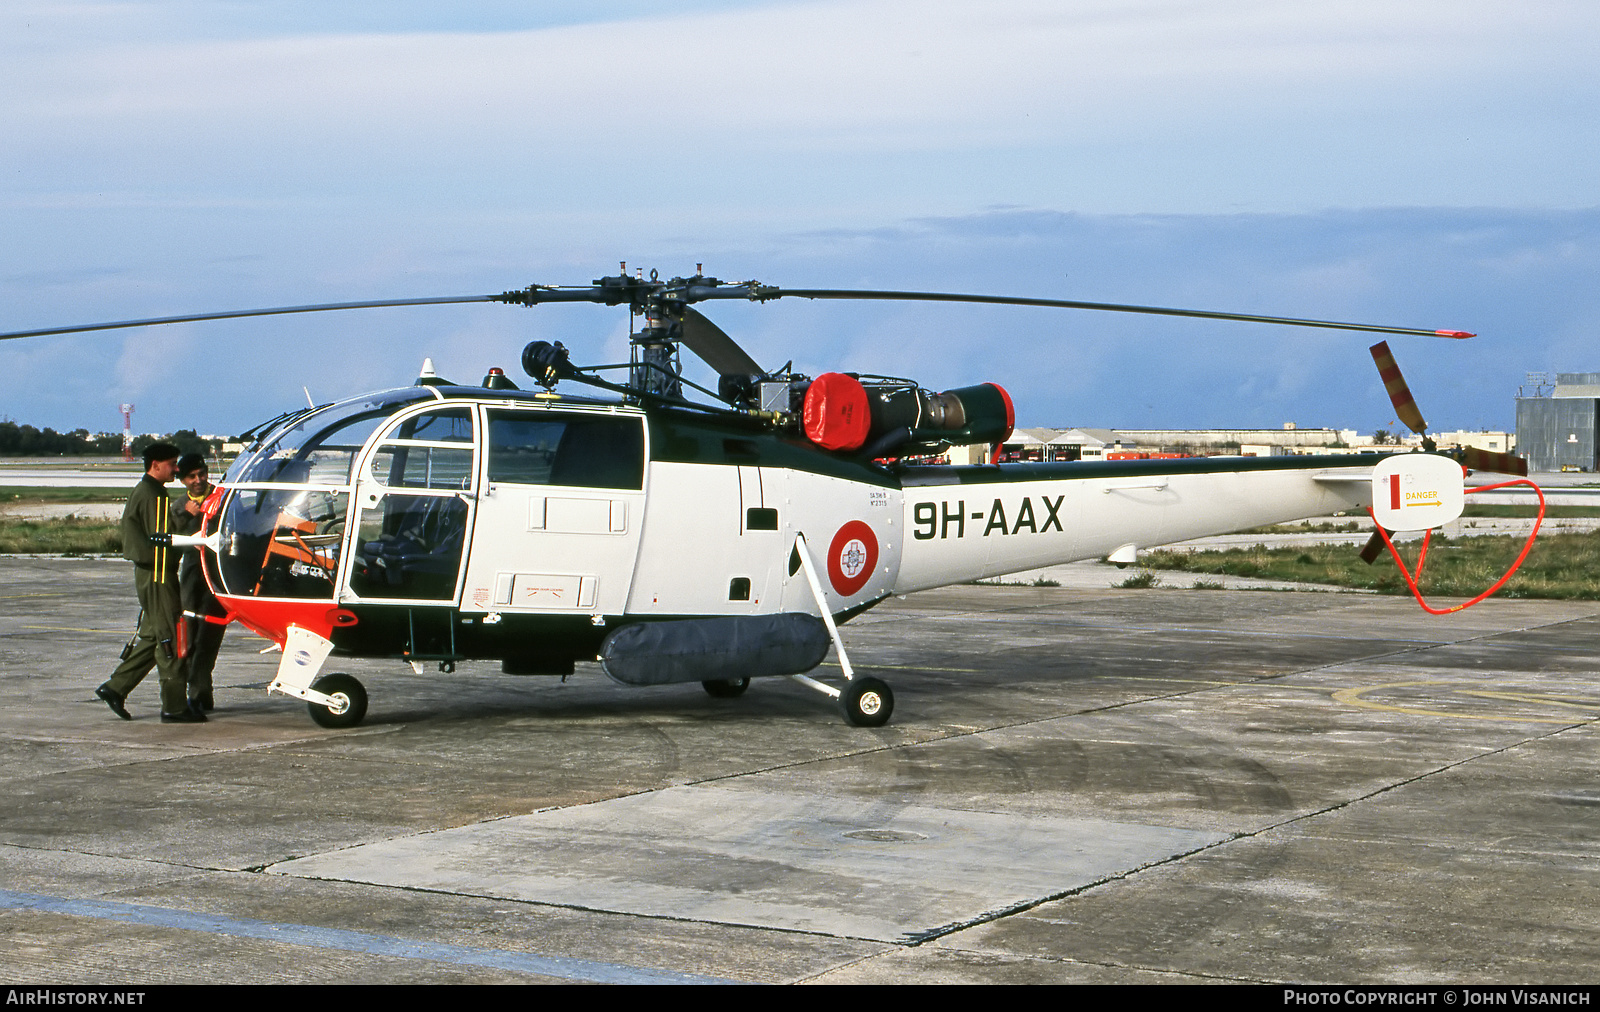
point(201, 611)
point(147, 543)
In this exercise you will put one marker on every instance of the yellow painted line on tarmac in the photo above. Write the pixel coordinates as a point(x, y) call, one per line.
point(73, 628)
point(904, 667)
point(1528, 698)
point(978, 671)
point(1184, 681)
point(1353, 696)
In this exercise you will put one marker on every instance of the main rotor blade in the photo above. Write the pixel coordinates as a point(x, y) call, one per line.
point(1395, 384)
point(716, 348)
point(763, 292)
point(238, 313)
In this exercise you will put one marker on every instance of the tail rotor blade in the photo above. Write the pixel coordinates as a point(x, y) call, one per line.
point(1499, 463)
point(1399, 393)
point(1373, 548)
point(716, 348)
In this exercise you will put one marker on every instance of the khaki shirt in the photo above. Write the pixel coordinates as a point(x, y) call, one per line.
point(149, 511)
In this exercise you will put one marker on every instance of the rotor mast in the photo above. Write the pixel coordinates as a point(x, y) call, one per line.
point(654, 357)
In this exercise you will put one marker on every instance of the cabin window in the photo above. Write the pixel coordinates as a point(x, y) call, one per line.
point(404, 466)
point(430, 450)
point(447, 425)
point(598, 451)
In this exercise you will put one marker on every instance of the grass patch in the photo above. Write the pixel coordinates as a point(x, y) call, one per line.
point(1550, 512)
point(1313, 527)
point(1560, 566)
point(1363, 523)
point(64, 536)
point(1042, 581)
point(1144, 579)
point(29, 495)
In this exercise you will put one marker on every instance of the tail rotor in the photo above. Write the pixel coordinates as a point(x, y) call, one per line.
point(1406, 410)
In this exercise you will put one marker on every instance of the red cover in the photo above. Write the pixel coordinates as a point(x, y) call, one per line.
point(835, 413)
point(1011, 412)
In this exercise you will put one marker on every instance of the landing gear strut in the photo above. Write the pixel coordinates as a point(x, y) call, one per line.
point(867, 702)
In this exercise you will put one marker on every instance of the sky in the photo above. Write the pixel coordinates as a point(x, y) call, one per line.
point(1429, 164)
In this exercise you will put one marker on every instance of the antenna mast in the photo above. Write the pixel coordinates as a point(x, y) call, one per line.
point(127, 432)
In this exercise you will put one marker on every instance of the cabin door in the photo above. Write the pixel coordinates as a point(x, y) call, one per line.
point(560, 507)
point(414, 497)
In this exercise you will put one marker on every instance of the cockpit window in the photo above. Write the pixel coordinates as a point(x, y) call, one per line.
point(282, 543)
point(320, 447)
point(591, 451)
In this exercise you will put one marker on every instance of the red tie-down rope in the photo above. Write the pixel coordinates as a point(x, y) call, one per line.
point(1411, 579)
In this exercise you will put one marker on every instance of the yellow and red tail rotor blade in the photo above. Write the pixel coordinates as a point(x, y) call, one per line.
point(1399, 393)
point(1499, 463)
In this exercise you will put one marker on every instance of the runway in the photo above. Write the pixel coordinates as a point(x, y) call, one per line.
point(50, 473)
point(1080, 784)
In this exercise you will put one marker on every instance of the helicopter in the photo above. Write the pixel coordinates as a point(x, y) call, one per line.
point(716, 536)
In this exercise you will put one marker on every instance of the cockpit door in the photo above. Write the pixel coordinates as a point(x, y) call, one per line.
point(415, 490)
point(559, 513)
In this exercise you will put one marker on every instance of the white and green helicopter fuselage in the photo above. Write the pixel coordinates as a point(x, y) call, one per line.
point(439, 524)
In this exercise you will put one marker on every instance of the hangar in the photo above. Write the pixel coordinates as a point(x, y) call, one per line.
point(1558, 431)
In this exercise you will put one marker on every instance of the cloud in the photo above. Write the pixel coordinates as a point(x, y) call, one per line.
point(831, 67)
point(1192, 106)
point(1521, 279)
point(166, 157)
point(165, 363)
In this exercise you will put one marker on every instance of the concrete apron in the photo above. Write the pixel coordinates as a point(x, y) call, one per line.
point(794, 861)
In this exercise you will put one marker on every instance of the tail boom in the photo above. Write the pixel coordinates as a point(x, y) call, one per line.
point(970, 523)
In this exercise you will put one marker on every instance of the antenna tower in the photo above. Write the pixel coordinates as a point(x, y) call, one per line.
point(127, 432)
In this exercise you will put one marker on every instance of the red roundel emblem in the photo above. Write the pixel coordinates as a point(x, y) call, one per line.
point(852, 557)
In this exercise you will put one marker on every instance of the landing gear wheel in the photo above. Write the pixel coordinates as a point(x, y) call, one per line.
point(347, 693)
point(867, 702)
point(726, 688)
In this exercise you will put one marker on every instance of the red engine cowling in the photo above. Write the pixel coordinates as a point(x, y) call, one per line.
point(835, 414)
point(842, 413)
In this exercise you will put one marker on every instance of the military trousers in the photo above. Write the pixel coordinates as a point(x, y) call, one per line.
point(204, 638)
point(156, 644)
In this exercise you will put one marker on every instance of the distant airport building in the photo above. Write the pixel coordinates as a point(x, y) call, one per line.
point(1111, 444)
point(1291, 438)
point(1558, 431)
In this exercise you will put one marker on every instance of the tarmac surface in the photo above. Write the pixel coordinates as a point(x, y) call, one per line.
point(1080, 784)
